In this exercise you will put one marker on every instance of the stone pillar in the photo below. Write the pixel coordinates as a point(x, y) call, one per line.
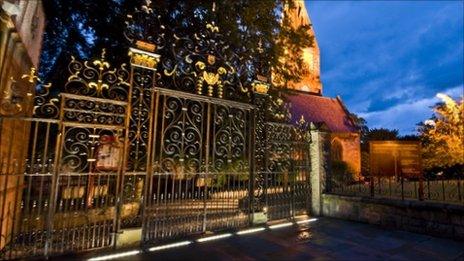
point(320, 160)
point(16, 101)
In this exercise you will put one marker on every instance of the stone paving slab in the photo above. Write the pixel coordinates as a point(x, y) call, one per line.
point(324, 239)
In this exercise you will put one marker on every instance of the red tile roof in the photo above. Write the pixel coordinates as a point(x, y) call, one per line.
point(320, 109)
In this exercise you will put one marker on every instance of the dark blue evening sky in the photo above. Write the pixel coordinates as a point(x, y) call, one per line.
point(388, 59)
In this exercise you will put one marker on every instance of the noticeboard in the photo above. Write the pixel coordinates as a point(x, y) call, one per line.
point(395, 158)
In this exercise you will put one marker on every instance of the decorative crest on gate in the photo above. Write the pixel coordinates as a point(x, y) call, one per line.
point(200, 62)
point(98, 79)
point(145, 25)
point(278, 109)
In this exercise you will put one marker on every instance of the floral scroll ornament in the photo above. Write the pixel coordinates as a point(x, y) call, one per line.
point(279, 110)
point(16, 98)
point(102, 65)
point(303, 133)
point(45, 106)
point(212, 76)
point(97, 79)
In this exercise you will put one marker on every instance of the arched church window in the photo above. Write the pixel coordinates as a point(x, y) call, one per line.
point(336, 150)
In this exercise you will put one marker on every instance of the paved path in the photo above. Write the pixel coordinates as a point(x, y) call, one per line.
point(324, 239)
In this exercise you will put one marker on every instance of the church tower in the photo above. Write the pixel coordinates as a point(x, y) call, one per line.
point(311, 82)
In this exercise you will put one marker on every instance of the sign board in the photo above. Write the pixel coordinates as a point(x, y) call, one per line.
point(259, 218)
point(395, 158)
point(109, 153)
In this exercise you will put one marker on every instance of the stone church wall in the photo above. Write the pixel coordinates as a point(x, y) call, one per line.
point(351, 152)
point(21, 30)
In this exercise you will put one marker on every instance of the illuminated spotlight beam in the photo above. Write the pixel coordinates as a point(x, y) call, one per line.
point(178, 244)
point(214, 237)
point(114, 256)
point(249, 231)
point(281, 225)
point(306, 221)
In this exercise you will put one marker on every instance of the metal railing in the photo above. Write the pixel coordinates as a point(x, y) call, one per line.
point(440, 189)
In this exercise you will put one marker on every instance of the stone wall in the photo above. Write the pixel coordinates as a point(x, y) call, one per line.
point(21, 30)
point(431, 218)
point(320, 155)
point(28, 20)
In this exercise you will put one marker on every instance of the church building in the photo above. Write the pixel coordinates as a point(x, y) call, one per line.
point(307, 101)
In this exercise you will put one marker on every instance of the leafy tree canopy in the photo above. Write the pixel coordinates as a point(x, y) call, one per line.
point(254, 29)
point(442, 135)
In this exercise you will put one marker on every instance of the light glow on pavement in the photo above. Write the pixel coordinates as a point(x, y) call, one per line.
point(214, 237)
point(249, 231)
point(281, 225)
point(306, 221)
point(178, 244)
point(114, 256)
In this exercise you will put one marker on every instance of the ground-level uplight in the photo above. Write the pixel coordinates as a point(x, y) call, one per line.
point(306, 221)
point(178, 244)
point(204, 239)
point(118, 255)
point(281, 225)
point(249, 231)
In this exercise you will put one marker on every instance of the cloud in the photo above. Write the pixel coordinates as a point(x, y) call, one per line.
point(389, 56)
point(405, 116)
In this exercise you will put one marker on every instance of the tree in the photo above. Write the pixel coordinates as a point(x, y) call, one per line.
point(381, 134)
point(82, 28)
point(410, 137)
point(442, 135)
point(361, 124)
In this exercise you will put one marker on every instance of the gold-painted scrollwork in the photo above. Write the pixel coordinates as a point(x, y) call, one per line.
point(302, 132)
point(260, 87)
point(46, 106)
point(98, 79)
point(144, 59)
point(211, 76)
point(17, 95)
point(278, 109)
point(212, 27)
point(204, 64)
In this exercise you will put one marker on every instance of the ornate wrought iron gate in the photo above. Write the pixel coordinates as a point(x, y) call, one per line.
point(287, 170)
point(202, 152)
point(114, 150)
point(62, 170)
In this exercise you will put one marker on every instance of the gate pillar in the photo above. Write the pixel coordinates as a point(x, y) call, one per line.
point(260, 100)
point(320, 157)
point(137, 168)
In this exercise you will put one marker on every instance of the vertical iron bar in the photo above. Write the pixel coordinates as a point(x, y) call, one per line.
point(428, 189)
point(443, 188)
point(54, 190)
point(55, 178)
point(208, 127)
point(149, 164)
point(458, 180)
point(402, 185)
point(251, 153)
point(125, 153)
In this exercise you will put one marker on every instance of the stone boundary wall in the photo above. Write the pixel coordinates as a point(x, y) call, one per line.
point(436, 219)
